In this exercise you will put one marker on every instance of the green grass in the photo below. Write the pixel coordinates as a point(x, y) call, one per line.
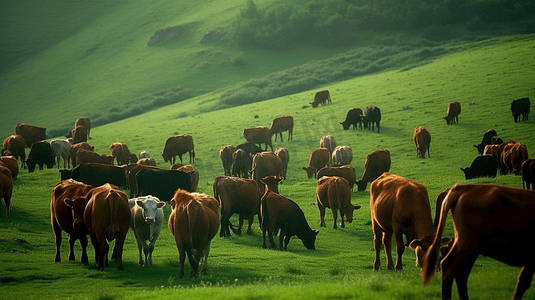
point(491, 74)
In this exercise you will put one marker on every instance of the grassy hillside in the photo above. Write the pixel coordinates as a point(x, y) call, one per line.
point(491, 74)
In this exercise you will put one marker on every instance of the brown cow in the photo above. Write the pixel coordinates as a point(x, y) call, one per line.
point(490, 220)
point(281, 124)
point(346, 172)
point(513, 155)
point(265, 164)
point(121, 153)
point(334, 193)
point(236, 195)
point(320, 98)
point(372, 116)
point(79, 134)
point(30, 133)
point(69, 198)
point(342, 155)
point(258, 135)
point(194, 175)
point(225, 153)
point(89, 156)
point(242, 163)
point(193, 222)
point(493, 150)
point(107, 217)
point(6, 188)
point(452, 116)
point(16, 145)
point(11, 163)
point(422, 140)
point(319, 158)
point(328, 141)
point(284, 155)
point(85, 122)
point(399, 206)
point(149, 161)
point(528, 174)
point(178, 145)
point(73, 150)
point(376, 164)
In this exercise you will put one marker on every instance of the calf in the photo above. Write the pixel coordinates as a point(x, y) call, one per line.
point(61, 148)
point(320, 98)
point(15, 145)
point(422, 140)
point(334, 193)
point(482, 166)
point(225, 153)
point(528, 174)
point(520, 107)
point(452, 115)
point(372, 116)
point(258, 135)
point(346, 172)
point(146, 221)
point(282, 124)
point(376, 164)
point(342, 156)
point(319, 158)
point(487, 140)
point(353, 117)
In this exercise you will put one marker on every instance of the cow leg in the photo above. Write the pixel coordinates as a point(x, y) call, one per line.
point(119, 242)
point(96, 246)
point(204, 264)
point(181, 259)
point(57, 236)
point(271, 240)
point(249, 228)
point(240, 223)
point(524, 281)
point(224, 232)
point(140, 247)
point(335, 217)
point(282, 235)
point(377, 243)
point(387, 242)
point(193, 257)
point(322, 215)
point(72, 239)
point(83, 243)
point(457, 266)
point(58, 158)
point(400, 248)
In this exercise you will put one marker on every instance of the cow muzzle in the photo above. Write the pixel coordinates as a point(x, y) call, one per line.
point(150, 220)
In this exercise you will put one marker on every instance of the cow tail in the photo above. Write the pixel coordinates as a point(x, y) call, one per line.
point(192, 214)
point(263, 212)
point(113, 202)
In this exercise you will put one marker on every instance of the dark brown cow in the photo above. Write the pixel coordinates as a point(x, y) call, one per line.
point(452, 115)
point(225, 153)
point(69, 198)
point(178, 145)
point(321, 97)
point(528, 174)
point(249, 148)
point(513, 155)
point(376, 164)
point(328, 141)
point(490, 220)
point(265, 164)
point(130, 173)
point(75, 148)
point(494, 151)
point(242, 163)
point(194, 175)
point(334, 193)
point(282, 124)
point(89, 156)
point(11, 163)
point(372, 116)
point(258, 135)
point(6, 188)
point(40, 154)
point(107, 217)
point(193, 222)
point(487, 140)
point(346, 172)
point(121, 153)
point(85, 122)
point(79, 134)
point(342, 155)
point(284, 155)
point(30, 133)
point(353, 117)
point(16, 145)
point(520, 107)
point(236, 195)
point(422, 140)
point(399, 206)
point(319, 158)
point(96, 174)
point(149, 161)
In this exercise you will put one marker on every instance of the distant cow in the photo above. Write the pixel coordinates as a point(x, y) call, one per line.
point(86, 123)
point(193, 222)
point(16, 145)
point(334, 193)
point(144, 154)
point(236, 195)
point(490, 220)
point(40, 154)
point(346, 172)
point(149, 161)
point(121, 153)
point(107, 217)
point(282, 124)
point(258, 135)
point(79, 134)
point(265, 164)
point(319, 158)
point(96, 174)
point(353, 117)
point(242, 163)
point(342, 156)
point(6, 189)
point(328, 141)
point(452, 115)
point(399, 206)
point(225, 153)
point(69, 199)
point(75, 148)
point(89, 156)
point(321, 98)
point(61, 148)
point(376, 164)
point(528, 174)
point(422, 140)
point(162, 183)
point(513, 155)
point(284, 155)
point(482, 166)
point(178, 145)
point(372, 116)
point(487, 137)
point(249, 148)
point(146, 222)
point(520, 107)
point(30, 133)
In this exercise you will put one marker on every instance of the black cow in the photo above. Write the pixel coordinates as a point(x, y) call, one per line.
point(487, 140)
point(353, 117)
point(249, 148)
point(520, 107)
point(482, 166)
point(372, 116)
point(40, 154)
point(162, 183)
point(96, 174)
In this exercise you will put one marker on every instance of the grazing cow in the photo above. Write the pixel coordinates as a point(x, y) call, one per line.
point(482, 166)
point(107, 217)
point(40, 154)
point(258, 135)
point(16, 145)
point(149, 161)
point(225, 153)
point(79, 134)
point(96, 174)
point(282, 124)
point(6, 188)
point(520, 107)
point(178, 145)
point(77, 147)
point(250, 148)
point(193, 222)
point(490, 220)
point(30, 133)
point(236, 195)
point(399, 206)
point(89, 156)
point(121, 153)
point(494, 151)
point(342, 156)
point(85, 122)
point(146, 222)
point(278, 212)
point(242, 163)
point(376, 164)
point(513, 155)
point(144, 154)
point(354, 117)
point(346, 172)
point(265, 164)
point(328, 141)
point(11, 163)
point(69, 199)
point(284, 155)
point(334, 193)
point(162, 183)
point(487, 137)
point(194, 175)
point(61, 148)
point(320, 98)
point(422, 140)
point(319, 158)
point(452, 115)
point(372, 116)
point(528, 174)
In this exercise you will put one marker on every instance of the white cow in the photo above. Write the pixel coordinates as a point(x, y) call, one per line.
point(147, 219)
point(342, 156)
point(144, 154)
point(61, 148)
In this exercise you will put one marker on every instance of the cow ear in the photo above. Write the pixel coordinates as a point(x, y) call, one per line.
point(160, 204)
point(172, 202)
point(68, 202)
point(415, 243)
point(140, 203)
point(462, 169)
point(446, 240)
point(304, 168)
point(355, 207)
point(316, 232)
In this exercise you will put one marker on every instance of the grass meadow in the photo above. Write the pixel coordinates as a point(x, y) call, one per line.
point(489, 74)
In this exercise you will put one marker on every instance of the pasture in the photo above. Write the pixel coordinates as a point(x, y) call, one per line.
point(490, 74)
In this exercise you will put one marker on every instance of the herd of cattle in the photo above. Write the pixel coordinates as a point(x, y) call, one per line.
point(88, 199)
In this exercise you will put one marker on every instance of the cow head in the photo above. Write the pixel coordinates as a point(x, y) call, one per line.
point(420, 246)
point(345, 124)
point(166, 157)
point(361, 185)
point(272, 183)
point(149, 207)
point(77, 206)
point(310, 171)
point(314, 104)
point(348, 211)
point(31, 164)
point(309, 239)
